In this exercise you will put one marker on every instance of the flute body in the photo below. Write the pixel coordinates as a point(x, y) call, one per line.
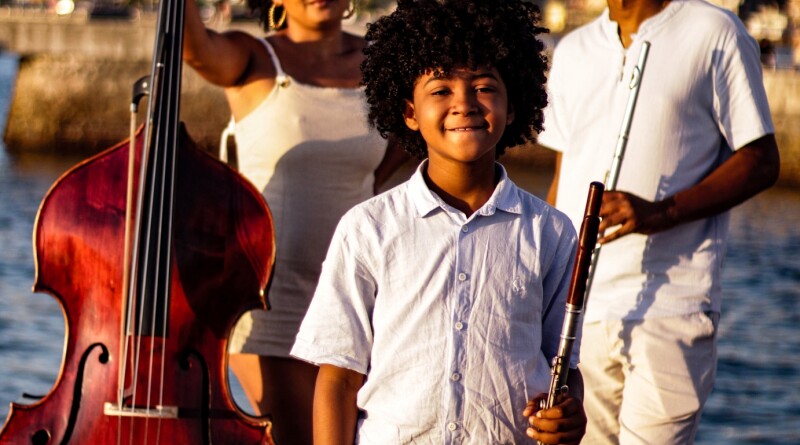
point(587, 239)
point(622, 142)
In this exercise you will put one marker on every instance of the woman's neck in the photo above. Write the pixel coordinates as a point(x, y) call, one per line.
point(325, 59)
point(322, 43)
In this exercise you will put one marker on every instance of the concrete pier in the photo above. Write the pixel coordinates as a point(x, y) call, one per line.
point(73, 89)
point(75, 77)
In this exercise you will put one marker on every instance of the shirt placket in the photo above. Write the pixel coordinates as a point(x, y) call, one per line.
point(461, 304)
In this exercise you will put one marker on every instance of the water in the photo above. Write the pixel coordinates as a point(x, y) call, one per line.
point(757, 394)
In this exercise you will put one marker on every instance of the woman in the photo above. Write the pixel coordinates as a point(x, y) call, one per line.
point(302, 138)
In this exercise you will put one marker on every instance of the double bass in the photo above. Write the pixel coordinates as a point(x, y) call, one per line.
point(153, 249)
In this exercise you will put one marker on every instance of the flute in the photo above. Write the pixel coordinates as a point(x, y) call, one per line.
point(622, 142)
point(587, 238)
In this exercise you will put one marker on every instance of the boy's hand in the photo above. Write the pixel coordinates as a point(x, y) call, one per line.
point(564, 423)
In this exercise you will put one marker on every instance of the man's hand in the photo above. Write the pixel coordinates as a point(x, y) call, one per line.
point(747, 172)
point(633, 215)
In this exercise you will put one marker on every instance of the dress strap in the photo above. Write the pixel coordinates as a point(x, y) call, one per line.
point(281, 78)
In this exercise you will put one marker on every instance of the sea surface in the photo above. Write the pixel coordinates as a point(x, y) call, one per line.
point(757, 395)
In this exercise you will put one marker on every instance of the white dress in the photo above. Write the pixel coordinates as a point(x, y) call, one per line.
point(312, 153)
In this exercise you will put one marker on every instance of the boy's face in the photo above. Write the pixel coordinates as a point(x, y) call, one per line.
point(461, 116)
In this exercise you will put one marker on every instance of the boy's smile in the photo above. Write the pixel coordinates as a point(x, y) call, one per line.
point(461, 115)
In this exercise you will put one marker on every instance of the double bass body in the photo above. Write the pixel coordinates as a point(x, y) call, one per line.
point(151, 291)
point(173, 385)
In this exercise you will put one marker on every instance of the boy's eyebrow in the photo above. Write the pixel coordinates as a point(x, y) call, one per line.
point(473, 76)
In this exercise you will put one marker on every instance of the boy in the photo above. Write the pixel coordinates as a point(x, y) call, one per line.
point(441, 300)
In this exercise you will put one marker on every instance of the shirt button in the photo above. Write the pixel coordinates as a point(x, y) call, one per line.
point(464, 228)
point(459, 326)
point(455, 377)
point(462, 276)
point(452, 426)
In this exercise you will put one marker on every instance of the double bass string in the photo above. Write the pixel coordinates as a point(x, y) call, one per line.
point(150, 282)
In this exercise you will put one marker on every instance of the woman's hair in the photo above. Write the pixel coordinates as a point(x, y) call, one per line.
point(421, 36)
point(260, 9)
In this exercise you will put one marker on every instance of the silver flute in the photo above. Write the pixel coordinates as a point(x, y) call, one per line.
point(622, 142)
point(587, 238)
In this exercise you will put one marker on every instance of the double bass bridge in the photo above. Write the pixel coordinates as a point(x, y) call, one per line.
point(157, 412)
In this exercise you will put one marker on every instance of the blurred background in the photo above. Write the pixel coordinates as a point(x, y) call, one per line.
point(774, 23)
point(66, 70)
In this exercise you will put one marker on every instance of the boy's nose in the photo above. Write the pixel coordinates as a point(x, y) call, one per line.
point(465, 102)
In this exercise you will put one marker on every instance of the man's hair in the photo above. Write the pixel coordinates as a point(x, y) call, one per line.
point(423, 36)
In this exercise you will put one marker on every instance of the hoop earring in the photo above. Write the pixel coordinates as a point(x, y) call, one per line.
point(350, 11)
point(271, 18)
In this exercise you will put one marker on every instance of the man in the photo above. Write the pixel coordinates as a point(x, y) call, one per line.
point(701, 142)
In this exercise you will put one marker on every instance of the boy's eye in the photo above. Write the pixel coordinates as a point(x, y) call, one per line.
point(440, 92)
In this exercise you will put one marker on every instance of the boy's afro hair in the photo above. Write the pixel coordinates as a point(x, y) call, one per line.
point(441, 35)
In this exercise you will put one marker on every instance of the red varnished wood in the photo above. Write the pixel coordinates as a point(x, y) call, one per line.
point(223, 251)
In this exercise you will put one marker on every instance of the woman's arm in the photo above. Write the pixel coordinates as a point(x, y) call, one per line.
point(553, 190)
point(393, 159)
point(220, 58)
point(335, 410)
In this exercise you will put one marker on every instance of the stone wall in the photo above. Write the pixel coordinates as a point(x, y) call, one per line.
point(73, 89)
point(69, 103)
point(783, 91)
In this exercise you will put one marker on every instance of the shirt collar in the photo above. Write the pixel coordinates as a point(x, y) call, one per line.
point(505, 196)
point(610, 28)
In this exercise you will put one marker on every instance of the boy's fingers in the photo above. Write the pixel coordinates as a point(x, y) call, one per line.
point(530, 408)
point(555, 412)
point(567, 407)
point(551, 431)
point(547, 437)
point(533, 405)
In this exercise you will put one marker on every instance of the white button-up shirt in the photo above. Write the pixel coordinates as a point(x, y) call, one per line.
point(443, 313)
point(701, 96)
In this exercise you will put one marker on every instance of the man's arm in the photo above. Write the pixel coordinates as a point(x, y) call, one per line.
point(752, 169)
point(335, 410)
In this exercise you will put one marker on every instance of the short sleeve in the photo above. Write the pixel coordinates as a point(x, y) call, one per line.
point(337, 329)
point(740, 100)
point(553, 136)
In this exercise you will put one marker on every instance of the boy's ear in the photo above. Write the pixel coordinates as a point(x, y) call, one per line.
point(410, 116)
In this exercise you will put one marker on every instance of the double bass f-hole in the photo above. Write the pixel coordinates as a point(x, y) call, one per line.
point(153, 249)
